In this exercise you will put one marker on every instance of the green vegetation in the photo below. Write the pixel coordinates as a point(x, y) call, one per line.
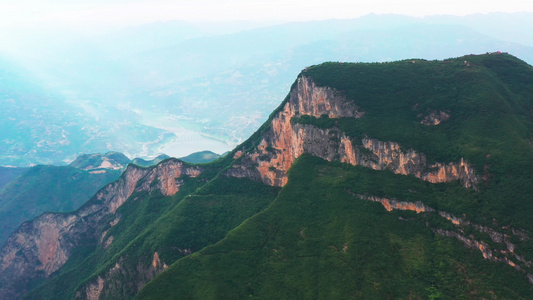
point(317, 240)
point(486, 110)
point(490, 102)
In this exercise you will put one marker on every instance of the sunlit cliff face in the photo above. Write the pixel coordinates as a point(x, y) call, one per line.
point(285, 141)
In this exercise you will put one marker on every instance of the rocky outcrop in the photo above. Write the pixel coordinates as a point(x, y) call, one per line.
point(434, 118)
point(286, 140)
point(40, 247)
point(111, 283)
point(394, 204)
point(98, 163)
point(487, 252)
point(309, 99)
point(283, 143)
point(409, 162)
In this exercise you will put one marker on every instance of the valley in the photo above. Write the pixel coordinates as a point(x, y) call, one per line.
point(188, 137)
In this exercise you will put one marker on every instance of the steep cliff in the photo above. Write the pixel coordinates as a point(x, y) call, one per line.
point(40, 247)
point(286, 139)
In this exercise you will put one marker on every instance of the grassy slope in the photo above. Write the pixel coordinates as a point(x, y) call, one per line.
point(47, 188)
point(316, 240)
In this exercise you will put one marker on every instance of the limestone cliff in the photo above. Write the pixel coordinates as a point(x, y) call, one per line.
point(40, 247)
point(286, 140)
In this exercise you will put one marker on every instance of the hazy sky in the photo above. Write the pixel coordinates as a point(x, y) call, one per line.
point(82, 13)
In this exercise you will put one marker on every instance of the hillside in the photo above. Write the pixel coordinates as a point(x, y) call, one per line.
point(321, 239)
point(146, 163)
point(457, 226)
point(402, 179)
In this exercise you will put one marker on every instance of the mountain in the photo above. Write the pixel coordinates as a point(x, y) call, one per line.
point(349, 223)
point(110, 160)
point(201, 157)
point(193, 158)
point(146, 163)
point(371, 180)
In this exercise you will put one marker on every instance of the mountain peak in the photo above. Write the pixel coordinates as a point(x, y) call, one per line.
point(97, 161)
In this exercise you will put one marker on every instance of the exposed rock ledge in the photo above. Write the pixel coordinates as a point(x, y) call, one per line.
point(285, 141)
point(41, 246)
point(506, 256)
point(435, 118)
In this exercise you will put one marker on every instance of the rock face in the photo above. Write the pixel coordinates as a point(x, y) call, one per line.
point(286, 140)
point(435, 118)
point(40, 247)
point(108, 282)
point(393, 204)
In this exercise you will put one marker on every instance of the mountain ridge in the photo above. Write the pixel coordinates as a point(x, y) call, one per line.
point(371, 132)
